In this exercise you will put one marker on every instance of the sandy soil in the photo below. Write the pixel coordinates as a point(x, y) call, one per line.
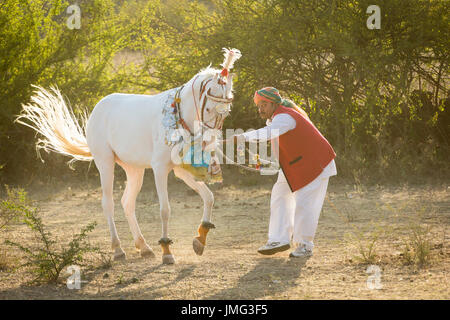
point(230, 267)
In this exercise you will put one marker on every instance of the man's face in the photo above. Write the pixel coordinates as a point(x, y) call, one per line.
point(265, 109)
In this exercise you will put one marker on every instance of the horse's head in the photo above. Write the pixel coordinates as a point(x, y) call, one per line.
point(216, 92)
point(212, 94)
point(216, 100)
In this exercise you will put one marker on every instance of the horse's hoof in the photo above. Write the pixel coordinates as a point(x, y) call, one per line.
point(120, 256)
point(198, 247)
point(168, 259)
point(147, 253)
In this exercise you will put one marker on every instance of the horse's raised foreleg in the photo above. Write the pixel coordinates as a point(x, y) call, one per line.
point(202, 189)
point(105, 166)
point(164, 207)
point(135, 176)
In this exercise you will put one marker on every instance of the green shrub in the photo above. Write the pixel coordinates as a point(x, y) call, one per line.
point(46, 259)
point(11, 210)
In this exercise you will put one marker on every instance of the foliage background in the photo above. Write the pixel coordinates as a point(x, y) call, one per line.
point(379, 96)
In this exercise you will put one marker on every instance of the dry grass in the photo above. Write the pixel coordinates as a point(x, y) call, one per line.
point(230, 267)
point(5, 262)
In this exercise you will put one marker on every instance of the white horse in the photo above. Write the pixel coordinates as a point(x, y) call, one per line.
point(128, 129)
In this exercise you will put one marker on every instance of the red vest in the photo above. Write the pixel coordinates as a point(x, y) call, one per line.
point(303, 151)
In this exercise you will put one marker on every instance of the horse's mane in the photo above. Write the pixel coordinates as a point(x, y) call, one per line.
point(204, 73)
point(208, 71)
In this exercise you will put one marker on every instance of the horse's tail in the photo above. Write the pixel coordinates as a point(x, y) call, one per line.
point(49, 115)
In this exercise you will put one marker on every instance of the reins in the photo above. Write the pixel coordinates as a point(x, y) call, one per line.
point(232, 162)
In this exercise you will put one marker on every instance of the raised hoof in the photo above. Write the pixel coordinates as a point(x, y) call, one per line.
point(198, 247)
point(168, 259)
point(120, 256)
point(147, 253)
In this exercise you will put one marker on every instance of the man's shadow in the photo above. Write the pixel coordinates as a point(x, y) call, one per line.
point(270, 276)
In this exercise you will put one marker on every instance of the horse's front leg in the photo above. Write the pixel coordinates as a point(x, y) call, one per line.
point(199, 241)
point(161, 175)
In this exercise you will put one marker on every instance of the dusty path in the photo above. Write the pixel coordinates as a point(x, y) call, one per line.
point(230, 267)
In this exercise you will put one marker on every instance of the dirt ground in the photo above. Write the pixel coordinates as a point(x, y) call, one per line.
point(231, 268)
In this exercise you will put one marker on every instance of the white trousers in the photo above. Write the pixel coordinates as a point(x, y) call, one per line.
point(295, 215)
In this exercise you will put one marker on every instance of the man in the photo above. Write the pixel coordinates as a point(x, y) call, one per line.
point(306, 160)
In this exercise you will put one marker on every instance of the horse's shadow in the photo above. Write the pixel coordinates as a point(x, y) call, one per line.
point(269, 277)
point(182, 274)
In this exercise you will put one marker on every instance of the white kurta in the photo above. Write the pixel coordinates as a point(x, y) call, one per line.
point(280, 124)
point(293, 215)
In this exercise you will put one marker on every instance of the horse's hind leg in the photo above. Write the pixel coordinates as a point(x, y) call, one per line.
point(199, 242)
point(105, 166)
point(135, 176)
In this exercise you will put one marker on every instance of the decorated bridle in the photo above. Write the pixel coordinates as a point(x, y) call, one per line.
point(222, 109)
point(223, 106)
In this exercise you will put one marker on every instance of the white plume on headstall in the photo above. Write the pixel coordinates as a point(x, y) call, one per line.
point(231, 55)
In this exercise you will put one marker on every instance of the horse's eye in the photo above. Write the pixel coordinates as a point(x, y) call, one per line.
point(207, 109)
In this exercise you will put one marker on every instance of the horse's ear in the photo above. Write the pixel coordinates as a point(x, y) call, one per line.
point(216, 75)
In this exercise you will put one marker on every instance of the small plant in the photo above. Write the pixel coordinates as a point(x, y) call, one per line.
point(366, 238)
point(357, 186)
point(46, 260)
point(120, 280)
point(422, 245)
point(366, 244)
point(349, 214)
point(418, 249)
point(407, 254)
point(105, 261)
point(12, 207)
